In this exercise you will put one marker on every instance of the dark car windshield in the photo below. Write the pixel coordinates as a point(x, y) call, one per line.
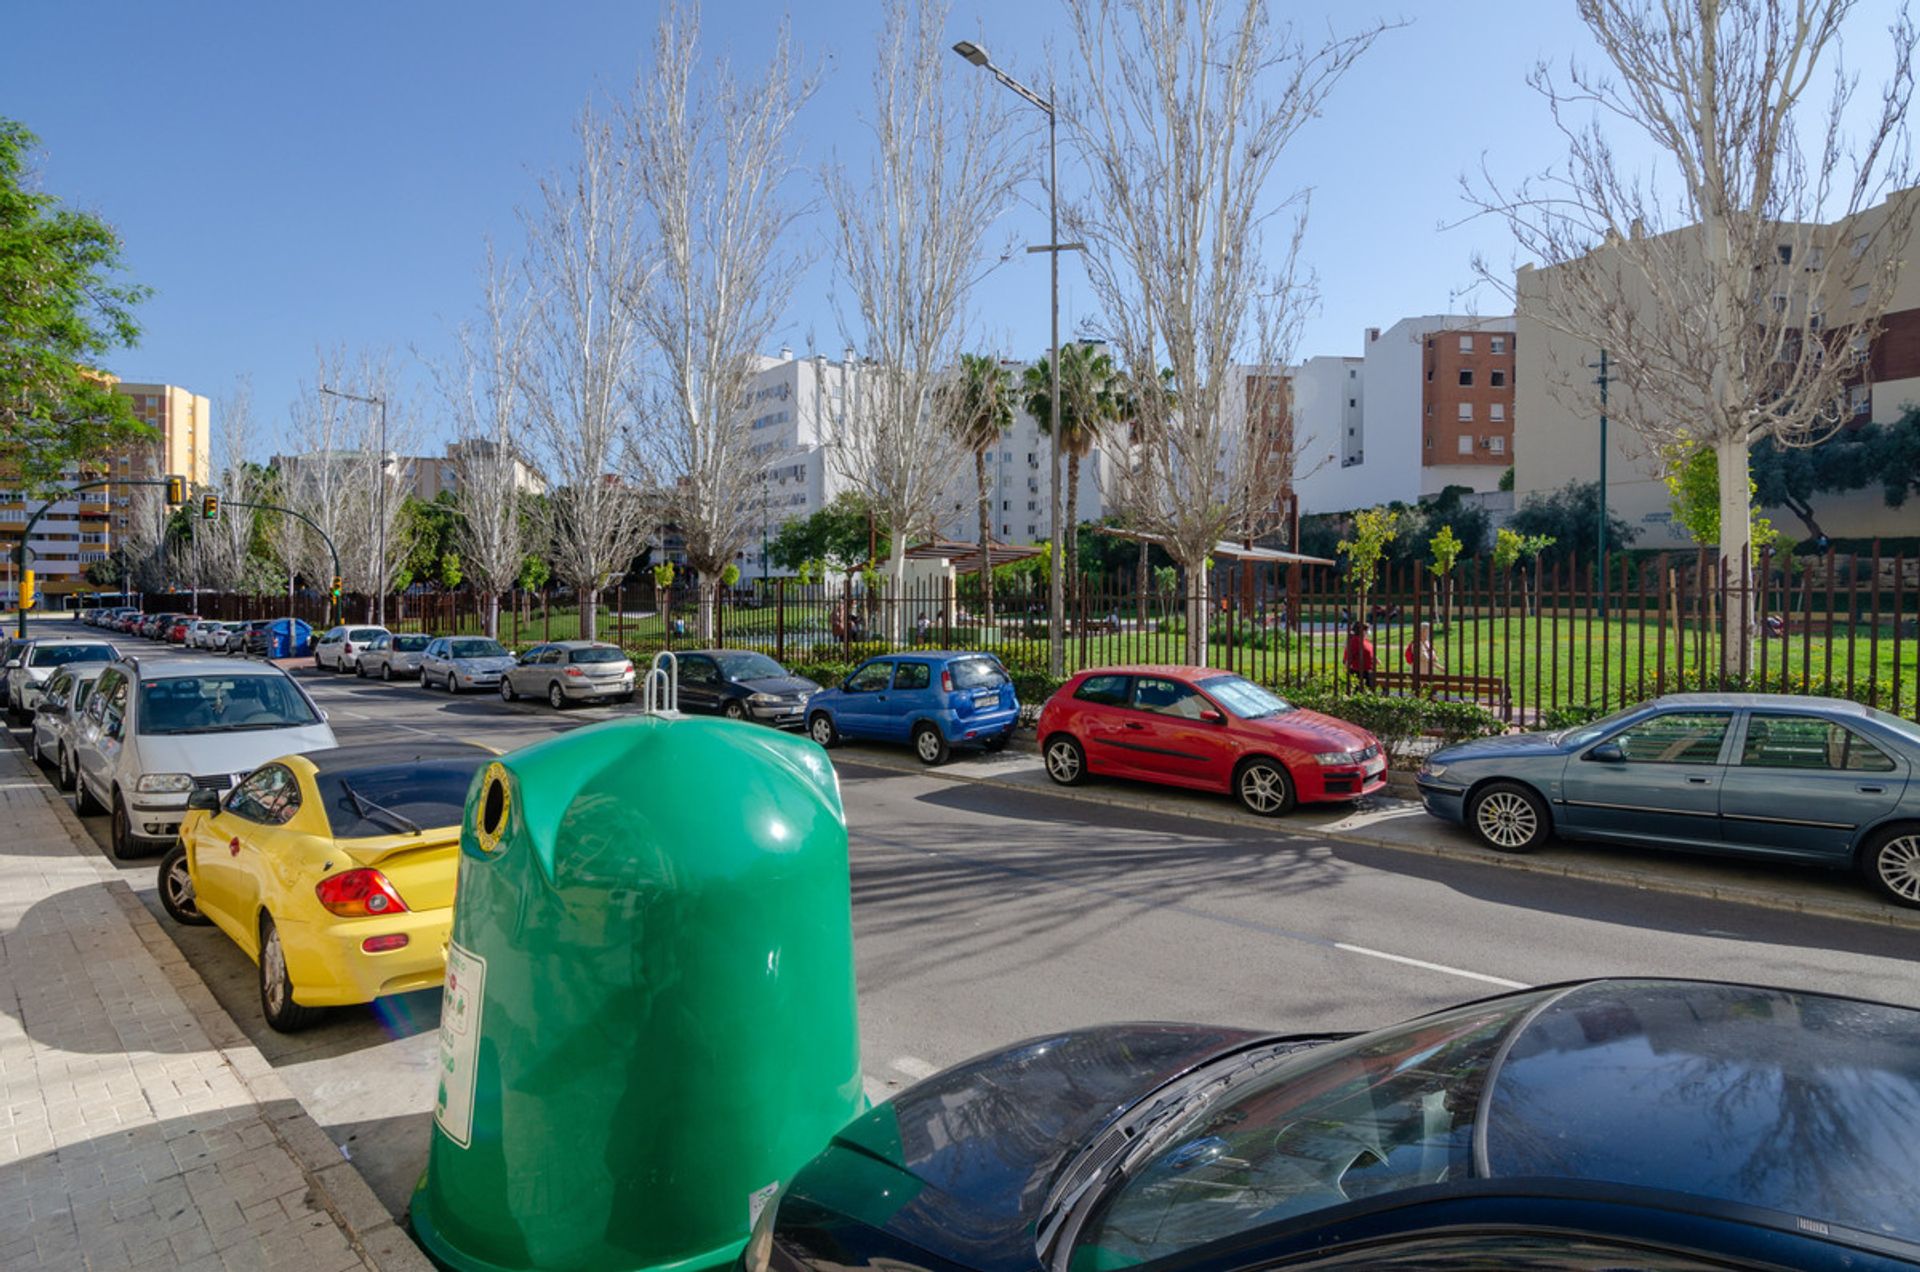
point(61, 655)
point(977, 673)
point(597, 654)
point(1244, 698)
point(411, 644)
point(749, 667)
point(214, 704)
point(477, 649)
point(431, 794)
point(1385, 1111)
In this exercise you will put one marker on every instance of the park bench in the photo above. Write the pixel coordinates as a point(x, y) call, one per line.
point(1487, 689)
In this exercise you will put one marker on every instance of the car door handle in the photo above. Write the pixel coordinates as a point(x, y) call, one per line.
point(1698, 781)
point(1135, 724)
point(1873, 790)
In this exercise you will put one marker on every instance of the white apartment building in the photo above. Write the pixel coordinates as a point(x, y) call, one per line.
point(1428, 404)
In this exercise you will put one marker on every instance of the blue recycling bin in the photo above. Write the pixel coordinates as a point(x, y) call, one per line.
point(289, 638)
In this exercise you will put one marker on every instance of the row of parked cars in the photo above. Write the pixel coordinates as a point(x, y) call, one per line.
point(1413, 1145)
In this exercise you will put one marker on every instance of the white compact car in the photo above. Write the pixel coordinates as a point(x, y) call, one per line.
point(50, 741)
point(340, 647)
point(34, 661)
point(158, 728)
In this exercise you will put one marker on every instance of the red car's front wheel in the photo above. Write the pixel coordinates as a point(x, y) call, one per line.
point(1265, 787)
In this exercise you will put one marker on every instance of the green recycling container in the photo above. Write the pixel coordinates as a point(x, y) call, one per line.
point(649, 1021)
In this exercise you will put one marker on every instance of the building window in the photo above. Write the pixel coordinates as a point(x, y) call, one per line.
point(1499, 343)
point(1497, 378)
point(1352, 374)
point(1860, 294)
point(1466, 444)
point(1429, 441)
point(1033, 532)
point(1859, 345)
point(1466, 411)
point(1352, 403)
point(1815, 257)
point(1004, 531)
point(1498, 445)
point(1429, 410)
point(1862, 399)
point(1466, 379)
point(1429, 373)
point(1860, 244)
point(1779, 302)
point(1466, 344)
point(1786, 253)
point(1033, 505)
point(1498, 411)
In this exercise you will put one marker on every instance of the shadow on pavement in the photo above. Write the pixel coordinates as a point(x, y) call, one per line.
point(389, 1152)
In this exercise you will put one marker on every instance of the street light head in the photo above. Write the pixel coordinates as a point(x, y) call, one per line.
point(973, 53)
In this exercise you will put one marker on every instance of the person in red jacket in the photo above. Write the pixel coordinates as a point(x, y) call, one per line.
point(1359, 656)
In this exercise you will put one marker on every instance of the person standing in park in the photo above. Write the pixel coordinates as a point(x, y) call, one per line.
point(1419, 655)
point(1359, 657)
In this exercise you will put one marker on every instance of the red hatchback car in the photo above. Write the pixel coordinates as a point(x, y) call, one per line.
point(1209, 730)
point(176, 633)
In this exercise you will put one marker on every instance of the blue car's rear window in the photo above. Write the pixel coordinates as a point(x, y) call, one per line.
point(977, 673)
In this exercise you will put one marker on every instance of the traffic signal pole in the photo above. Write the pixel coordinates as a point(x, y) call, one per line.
point(174, 485)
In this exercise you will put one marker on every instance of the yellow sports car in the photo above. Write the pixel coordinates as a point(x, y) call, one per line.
point(333, 870)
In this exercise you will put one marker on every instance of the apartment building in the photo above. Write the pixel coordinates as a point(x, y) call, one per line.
point(1429, 403)
point(797, 407)
point(1559, 404)
point(433, 475)
point(79, 532)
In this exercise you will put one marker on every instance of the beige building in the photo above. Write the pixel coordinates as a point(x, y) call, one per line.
point(76, 533)
point(1558, 435)
point(433, 475)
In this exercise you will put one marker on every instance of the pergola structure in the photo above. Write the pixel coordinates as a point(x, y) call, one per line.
point(1228, 550)
point(965, 557)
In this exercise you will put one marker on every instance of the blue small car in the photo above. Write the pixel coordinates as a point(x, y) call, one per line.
point(936, 700)
point(1813, 780)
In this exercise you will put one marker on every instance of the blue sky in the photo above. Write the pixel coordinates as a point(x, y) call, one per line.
point(294, 176)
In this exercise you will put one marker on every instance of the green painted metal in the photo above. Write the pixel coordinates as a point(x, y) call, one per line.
point(650, 1015)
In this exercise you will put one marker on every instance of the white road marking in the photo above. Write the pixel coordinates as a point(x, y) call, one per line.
point(913, 1067)
point(1360, 821)
point(1432, 967)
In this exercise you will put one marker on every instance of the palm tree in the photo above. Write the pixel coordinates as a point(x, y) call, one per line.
point(1090, 401)
point(980, 411)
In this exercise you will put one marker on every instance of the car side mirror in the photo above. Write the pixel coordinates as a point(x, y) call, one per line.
point(1607, 753)
point(1210, 716)
point(12, 663)
point(204, 800)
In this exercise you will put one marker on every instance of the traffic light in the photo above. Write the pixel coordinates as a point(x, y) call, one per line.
point(209, 506)
point(26, 590)
point(176, 491)
point(336, 587)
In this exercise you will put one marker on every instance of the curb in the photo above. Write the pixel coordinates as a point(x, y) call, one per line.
point(336, 1186)
point(1862, 911)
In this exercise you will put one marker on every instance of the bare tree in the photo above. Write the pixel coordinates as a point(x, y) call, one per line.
point(1722, 283)
point(1183, 114)
point(711, 154)
point(909, 239)
point(228, 541)
point(491, 474)
point(585, 261)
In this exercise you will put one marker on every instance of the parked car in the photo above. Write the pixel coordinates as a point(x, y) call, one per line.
point(743, 685)
point(570, 671)
point(340, 648)
point(1775, 776)
point(149, 625)
point(50, 741)
point(1206, 730)
point(157, 728)
point(1604, 1124)
point(200, 633)
point(227, 638)
point(393, 656)
point(936, 700)
point(31, 663)
point(457, 663)
point(176, 632)
point(333, 870)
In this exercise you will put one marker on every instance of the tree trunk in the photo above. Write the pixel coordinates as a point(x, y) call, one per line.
point(1140, 583)
point(493, 615)
point(1196, 572)
point(588, 598)
point(1070, 532)
point(898, 543)
point(1736, 543)
point(707, 598)
point(986, 536)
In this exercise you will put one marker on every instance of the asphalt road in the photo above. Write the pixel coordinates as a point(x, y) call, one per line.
point(984, 915)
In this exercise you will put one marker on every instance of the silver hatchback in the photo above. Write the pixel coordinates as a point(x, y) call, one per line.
point(393, 656)
point(459, 663)
point(570, 671)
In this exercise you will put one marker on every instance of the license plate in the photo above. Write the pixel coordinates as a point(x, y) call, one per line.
point(986, 699)
point(1376, 766)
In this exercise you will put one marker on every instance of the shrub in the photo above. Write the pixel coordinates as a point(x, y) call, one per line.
point(1570, 716)
point(1396, 720)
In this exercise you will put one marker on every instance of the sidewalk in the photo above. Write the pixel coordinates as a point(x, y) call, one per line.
point(138, 1127)
point(1386, 821)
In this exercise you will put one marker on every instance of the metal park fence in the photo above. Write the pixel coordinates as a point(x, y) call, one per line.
point(1532, 643)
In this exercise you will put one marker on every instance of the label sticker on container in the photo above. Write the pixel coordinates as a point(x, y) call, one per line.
point(459, 1043)
point(757, 1201)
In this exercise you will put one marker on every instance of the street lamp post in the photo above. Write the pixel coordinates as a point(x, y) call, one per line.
point(380, 507)
point(1056, 588)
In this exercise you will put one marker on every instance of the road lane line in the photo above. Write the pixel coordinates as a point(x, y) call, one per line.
point(913, 1067)
point(1432, 967)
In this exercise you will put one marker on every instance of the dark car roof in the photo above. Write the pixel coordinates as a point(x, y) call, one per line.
point(366, 755)
point(1799, 1103)
point(934, 653)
